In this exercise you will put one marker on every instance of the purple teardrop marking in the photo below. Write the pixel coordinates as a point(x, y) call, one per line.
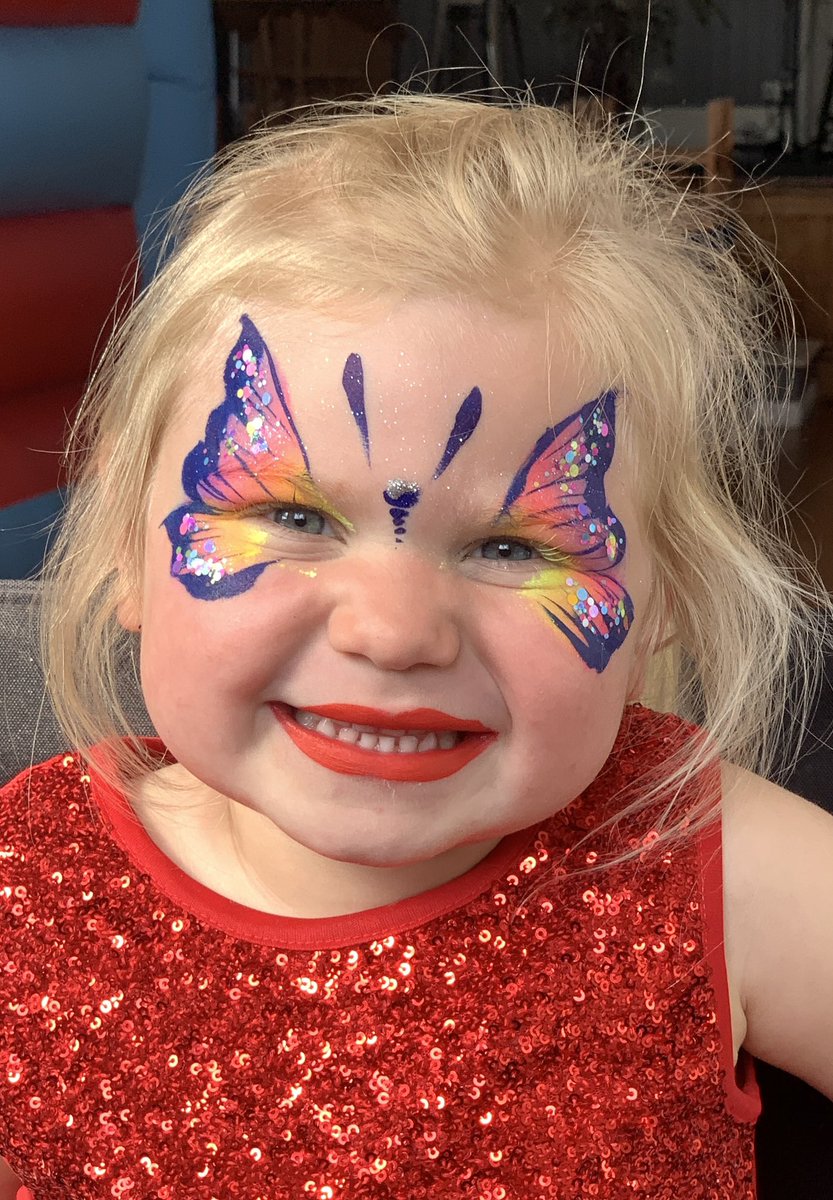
point(401, 497)
point(352, 381)
point(465, 423)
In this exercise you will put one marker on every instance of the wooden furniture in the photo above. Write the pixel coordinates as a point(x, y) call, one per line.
point(795, 218)
point(700, 142)
point(278, 54)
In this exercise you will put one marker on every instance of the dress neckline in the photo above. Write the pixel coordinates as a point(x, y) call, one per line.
point(264, 928)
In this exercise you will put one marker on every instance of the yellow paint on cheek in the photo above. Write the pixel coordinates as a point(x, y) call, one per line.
point(549, 580)
point(288, 566)
point(550, 587)
point(244, 540)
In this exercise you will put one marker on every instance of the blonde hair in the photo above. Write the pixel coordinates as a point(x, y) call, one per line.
point(414, 195)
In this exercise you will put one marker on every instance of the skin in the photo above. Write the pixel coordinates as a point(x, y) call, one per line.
point(363, 619)
point(352, 616)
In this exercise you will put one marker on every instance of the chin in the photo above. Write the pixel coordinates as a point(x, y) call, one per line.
point(368, 846)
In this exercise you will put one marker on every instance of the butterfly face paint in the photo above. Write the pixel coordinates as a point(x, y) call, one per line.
point(402, 496)
point(465, 423)
point(557, 498)
point(352, 380)
point(252, 458)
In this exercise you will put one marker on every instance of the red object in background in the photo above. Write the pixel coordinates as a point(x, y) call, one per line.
point(62, 273)
point(33, 429)
point(68, 12)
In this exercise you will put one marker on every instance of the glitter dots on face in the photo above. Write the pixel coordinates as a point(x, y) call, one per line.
point(560, 489)
point(251, 455)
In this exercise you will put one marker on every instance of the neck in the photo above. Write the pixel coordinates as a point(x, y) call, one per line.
point(243, 856)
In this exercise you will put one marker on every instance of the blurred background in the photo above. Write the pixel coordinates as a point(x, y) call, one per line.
point(109, 107)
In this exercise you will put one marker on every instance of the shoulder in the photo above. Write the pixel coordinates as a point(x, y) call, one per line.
point(778, 884)
point(41, 775)
point(37, 800)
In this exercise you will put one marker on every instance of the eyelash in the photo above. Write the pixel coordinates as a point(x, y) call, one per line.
point(536, 550)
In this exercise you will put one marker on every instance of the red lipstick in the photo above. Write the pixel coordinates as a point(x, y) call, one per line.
point(414, 718)
point(420, 767)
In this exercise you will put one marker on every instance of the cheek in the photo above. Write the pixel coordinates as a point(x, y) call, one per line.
point(566, 713)
point(196, 650)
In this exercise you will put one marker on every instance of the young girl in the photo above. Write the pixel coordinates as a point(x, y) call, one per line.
point(428, 453)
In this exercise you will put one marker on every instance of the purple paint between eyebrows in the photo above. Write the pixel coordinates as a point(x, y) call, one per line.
point(403, 496)
point(352, 381)
point(465, 423)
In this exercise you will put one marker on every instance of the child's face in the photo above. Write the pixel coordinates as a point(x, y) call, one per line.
point(424, 511)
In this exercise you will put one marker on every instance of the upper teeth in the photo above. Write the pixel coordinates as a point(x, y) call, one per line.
point(370, 738)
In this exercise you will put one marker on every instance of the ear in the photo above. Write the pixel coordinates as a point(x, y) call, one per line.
point(653, 675)
point(127, 615)
point(128, 597)
point(129, 612)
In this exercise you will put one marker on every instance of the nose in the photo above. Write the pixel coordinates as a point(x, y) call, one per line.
point(397, 614)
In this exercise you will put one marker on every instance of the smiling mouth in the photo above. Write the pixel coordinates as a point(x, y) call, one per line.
point(418, 746)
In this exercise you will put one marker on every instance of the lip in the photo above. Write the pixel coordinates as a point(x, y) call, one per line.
point(348, 759)
point(429, 719)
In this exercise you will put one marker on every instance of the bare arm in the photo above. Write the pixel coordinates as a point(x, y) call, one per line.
point(9, 1182)
point(778, 856)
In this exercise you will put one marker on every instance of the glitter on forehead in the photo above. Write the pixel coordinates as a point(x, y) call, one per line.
point(543, 1035)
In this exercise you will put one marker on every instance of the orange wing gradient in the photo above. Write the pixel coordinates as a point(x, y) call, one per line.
point(559, 492)
point(251, 455)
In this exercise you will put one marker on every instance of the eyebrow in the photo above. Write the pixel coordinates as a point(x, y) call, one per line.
point(492, 517)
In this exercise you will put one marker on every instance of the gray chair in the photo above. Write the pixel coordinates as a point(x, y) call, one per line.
point(28, 729)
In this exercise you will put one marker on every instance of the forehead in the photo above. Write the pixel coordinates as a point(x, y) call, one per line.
point(414, 365)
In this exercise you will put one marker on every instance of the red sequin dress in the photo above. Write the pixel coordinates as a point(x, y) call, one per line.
point(521, 1032)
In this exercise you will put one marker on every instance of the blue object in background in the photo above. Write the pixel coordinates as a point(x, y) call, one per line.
point(94, 116)
point(74, 105)
point(25, 531)
point(178, 44)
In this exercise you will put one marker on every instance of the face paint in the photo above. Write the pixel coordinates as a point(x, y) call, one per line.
point(402, 496)
point(352, 381)
point(251, 458)
point(558, 498)
point(465, 423)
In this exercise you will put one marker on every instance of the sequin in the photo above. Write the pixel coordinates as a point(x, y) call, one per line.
point(557, 1035)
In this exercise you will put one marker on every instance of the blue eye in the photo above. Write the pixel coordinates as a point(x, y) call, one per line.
point(506, 550)
point(301, 520)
